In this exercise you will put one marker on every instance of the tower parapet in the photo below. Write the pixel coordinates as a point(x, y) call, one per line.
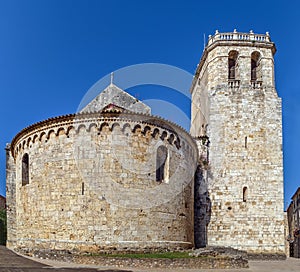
point(239, 36)
point(238, 59)
point(232, 62)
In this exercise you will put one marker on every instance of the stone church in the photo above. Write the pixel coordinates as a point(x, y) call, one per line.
point(115, 177)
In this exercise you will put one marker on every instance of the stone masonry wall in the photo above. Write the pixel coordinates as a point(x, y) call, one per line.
point(93, 187)
point(243, 121)
point(10, 197)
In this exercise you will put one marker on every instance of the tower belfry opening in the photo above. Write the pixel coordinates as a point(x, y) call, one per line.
point(232, 64)
point(255, 66)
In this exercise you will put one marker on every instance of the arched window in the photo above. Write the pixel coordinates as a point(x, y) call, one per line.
point(255, 66)
point(162, 164)
point(232, 64)
point(245, 194)
point(25, 169)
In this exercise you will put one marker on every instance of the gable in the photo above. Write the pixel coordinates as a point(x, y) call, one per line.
point(113, 95)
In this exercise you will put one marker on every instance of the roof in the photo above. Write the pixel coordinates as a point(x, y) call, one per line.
point(297, 191)
point(112, 103)
point(290, 207)
point(113, 95)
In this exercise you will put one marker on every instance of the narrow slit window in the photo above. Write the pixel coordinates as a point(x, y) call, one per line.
point(162, 164)
point(246, 142)
point(25, 169)
point(245, 194)
point(82, 188)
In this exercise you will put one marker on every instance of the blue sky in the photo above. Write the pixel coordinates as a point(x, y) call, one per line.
point(53, 51)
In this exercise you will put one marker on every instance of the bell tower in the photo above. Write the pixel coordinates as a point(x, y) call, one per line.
point(235, 105)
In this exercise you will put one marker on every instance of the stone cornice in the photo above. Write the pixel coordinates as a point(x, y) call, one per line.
point(73, 119)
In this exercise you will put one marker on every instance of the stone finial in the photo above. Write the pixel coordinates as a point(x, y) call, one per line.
point(234, 31)
point(251, 31)
point(267, 33)
point(111, 78)
point(217, 31)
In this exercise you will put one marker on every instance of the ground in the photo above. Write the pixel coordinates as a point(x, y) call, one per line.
point(11, 262)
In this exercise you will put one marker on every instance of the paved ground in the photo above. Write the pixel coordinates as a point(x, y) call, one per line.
point(11, 262)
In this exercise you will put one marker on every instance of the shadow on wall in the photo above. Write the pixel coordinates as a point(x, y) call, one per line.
point(3, 229)
point(202, 208)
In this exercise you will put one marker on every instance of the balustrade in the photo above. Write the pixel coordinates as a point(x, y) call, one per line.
point(238, 36)
point(256, 84)
point(233, 83)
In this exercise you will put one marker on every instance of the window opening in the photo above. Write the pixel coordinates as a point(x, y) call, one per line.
point(82, 188)
point(25, 169)
point(232, 64)
point(162, 165)
point(255, 66)
point(245, 194)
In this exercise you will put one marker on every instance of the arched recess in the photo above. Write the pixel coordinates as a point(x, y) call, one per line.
point(164, 135)
point(25, 169)
point(51, 132)
point(137, 129)
point(70, 131)
point(171, 139)
point(42, 136)
point(116, 126)
point(233, 65)
point(92, 127)
point(60, 131)
point(81, 128)
point(147, 130)
point(127, 129)
point(35, 137)
point(162, 164)
point(104, 127)
point(155, 133)
point(255, 66)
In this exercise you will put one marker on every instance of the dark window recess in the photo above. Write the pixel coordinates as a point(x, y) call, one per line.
point(82, 188)
point(253, 70)
point(232, 64)
point(25, 169)
point(255, 66)
point(161, 158)
point(245, 194)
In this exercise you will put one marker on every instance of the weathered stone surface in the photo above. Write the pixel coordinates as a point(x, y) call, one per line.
point(219, 261)
point(242, 118)
point(219, 251)
point(11, 197)
point(89, 182)
point(92, 184)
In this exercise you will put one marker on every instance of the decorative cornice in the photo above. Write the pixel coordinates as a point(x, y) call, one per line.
point(114, 116)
